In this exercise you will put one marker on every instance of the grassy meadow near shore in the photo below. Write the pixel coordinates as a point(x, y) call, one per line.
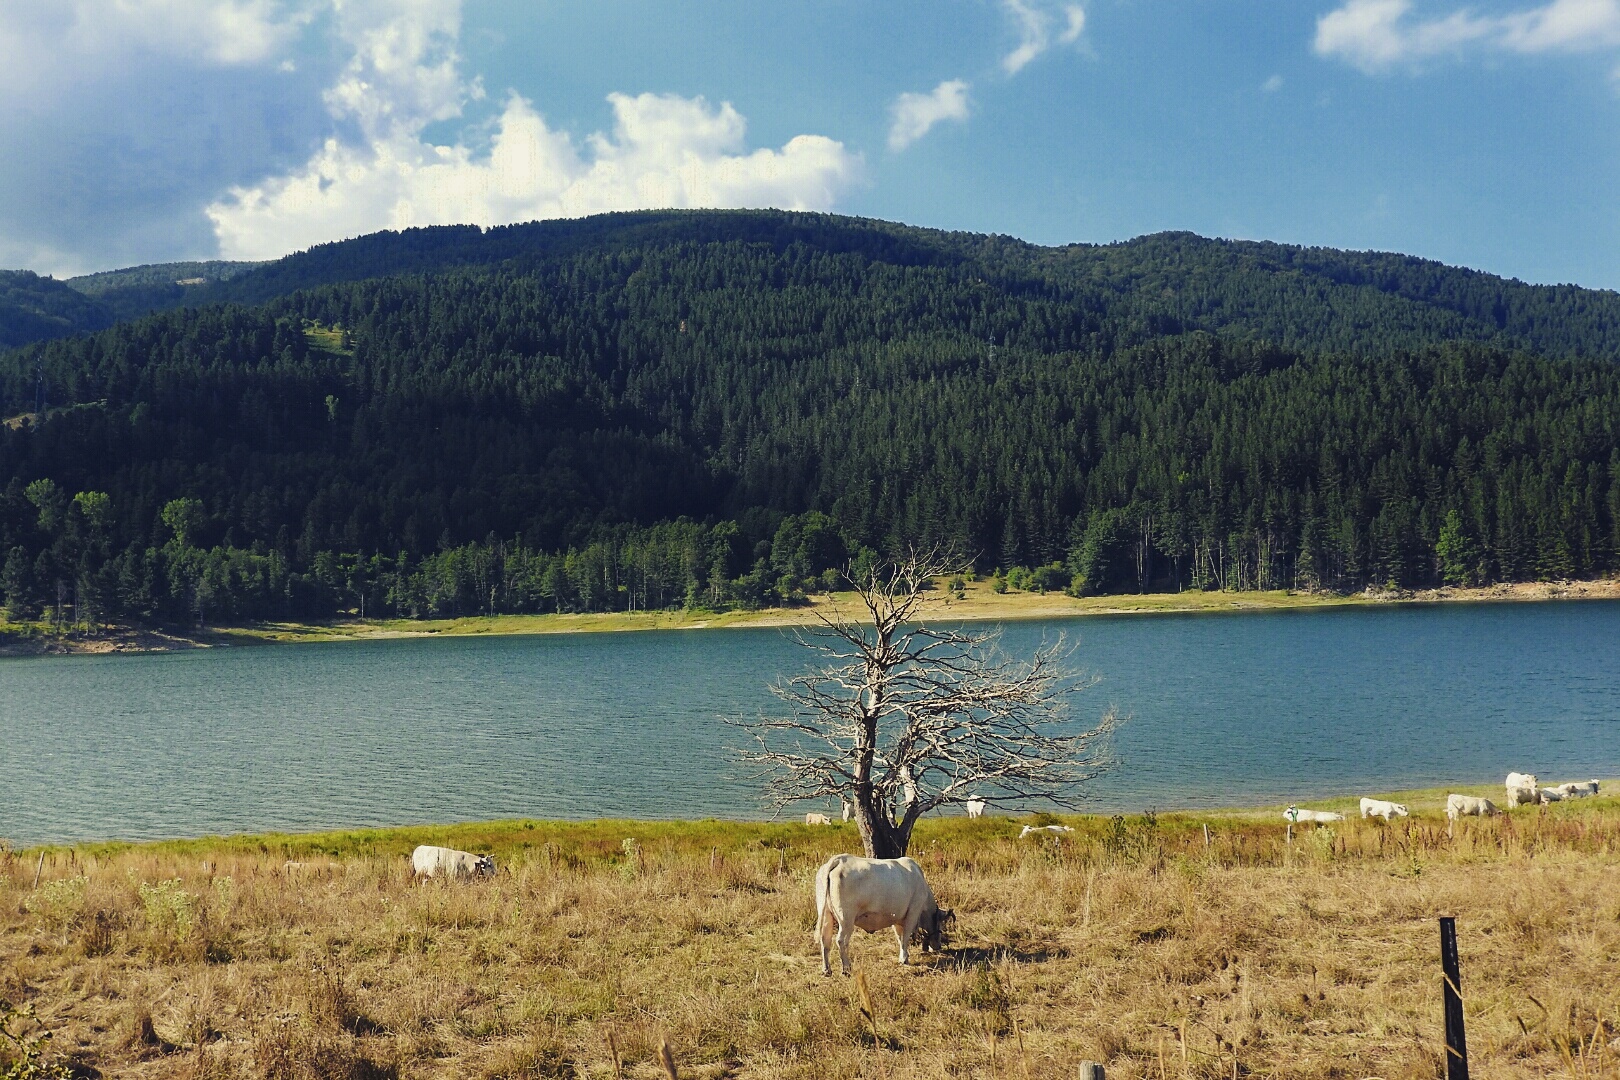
point(978, 604)
point(1133, 941)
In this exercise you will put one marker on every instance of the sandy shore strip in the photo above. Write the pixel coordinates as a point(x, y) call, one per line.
point(979, 604)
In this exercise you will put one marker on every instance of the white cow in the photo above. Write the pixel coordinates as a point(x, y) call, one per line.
point(428, 861)
point(817, 819)
point(1382, 808)
point(1522, 789)
point(1577, 791)
point(1321, 817)
point(975, 807)
point(852, 891)
point(1469, 806)
point(849, 808)
point(1054, 830)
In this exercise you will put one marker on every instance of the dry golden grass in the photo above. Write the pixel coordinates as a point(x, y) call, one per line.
point(1128, 942)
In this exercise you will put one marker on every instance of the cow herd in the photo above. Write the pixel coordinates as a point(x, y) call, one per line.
point(1522, 790)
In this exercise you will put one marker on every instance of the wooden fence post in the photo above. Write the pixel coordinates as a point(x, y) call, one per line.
point(1090, 1070)
point(1451, 969)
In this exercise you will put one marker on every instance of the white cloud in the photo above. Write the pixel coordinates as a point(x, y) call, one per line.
point(1378, 34)
point(1074, 24)
point(1565, 25)
point(663, 151)
point(1273, 84)
point(405, 70)
point(46, 40)
point(222, 31)
point(915, 114)
point(1034, 23)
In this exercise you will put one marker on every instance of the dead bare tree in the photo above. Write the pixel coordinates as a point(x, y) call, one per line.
point(908, 717)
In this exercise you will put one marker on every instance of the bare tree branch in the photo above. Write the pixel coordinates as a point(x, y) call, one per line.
point(907, 718)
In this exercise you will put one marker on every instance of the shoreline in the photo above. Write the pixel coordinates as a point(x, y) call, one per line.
point(979, 604)
point(1428, 802)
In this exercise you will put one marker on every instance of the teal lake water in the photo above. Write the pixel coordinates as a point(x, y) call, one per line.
point(1223, 710)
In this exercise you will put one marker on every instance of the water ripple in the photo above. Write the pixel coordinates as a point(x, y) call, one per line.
point(1223, 710)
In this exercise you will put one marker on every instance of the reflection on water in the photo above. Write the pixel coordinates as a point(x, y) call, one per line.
point(1223, 710)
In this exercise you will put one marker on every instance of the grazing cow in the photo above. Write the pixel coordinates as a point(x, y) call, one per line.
point(817, 819)
point(1549, 795)
point(1522, 789)
point(975, 807)
point(1577, 791)
point(852, 891)
point(1382, 808)
point(1468, 806)
point(1321, 817)
point(428, 861)
point(1054, 830)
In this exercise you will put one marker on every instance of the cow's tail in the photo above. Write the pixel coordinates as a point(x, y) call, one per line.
point(826, 920)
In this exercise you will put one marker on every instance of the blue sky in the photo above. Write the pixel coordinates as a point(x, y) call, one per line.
point(1481, 134)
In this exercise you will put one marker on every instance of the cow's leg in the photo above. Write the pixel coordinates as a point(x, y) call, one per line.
point(904, 935)
point(826, 926)
point(845, 932)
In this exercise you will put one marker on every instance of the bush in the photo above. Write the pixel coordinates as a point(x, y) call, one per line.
point(60, 903)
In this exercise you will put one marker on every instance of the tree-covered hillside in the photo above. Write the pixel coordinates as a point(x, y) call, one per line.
point(716, 408)
point(136, 290)
point(34, 308)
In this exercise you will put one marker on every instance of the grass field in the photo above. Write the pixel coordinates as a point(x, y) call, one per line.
point(1131, 941)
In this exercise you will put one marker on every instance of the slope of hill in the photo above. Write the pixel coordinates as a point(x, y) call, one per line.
point(34, 308)
point(643, 410)
point(138, 290)
point(1294, 296)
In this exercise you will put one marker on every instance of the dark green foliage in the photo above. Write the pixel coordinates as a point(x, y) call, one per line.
point(111, 282)
point(706, 409)
point(129, 293)
point(34, 308)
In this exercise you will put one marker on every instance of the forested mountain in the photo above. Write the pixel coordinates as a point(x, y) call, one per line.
point(717, 407)
point(127, 293)
point(34, 308)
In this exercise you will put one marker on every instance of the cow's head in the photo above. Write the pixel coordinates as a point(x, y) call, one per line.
point(937, 928)
point(486, 865)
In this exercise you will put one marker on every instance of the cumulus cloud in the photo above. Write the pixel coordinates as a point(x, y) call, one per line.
point(36, 40)
point(1035, 24)
point(916, 114)
point(663, 151)
point(1376, 35)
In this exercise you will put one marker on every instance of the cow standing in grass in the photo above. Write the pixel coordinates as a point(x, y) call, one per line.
point(428, 861)
point(1382, 808)
point(852, 891)
point(1522, 789)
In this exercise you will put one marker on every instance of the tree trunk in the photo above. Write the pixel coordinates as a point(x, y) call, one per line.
point(883, 838)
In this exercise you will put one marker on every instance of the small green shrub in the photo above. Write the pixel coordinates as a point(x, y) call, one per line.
point(60, 903)
point(170, 910)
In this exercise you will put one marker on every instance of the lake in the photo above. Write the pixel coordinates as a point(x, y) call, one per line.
point(1237, 709)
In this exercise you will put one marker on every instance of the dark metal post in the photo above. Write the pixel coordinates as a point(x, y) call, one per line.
point(1456, 1045)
